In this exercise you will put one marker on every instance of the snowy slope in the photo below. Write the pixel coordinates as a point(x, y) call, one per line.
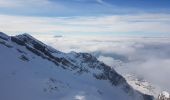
point(31, 70)
point(142, 85)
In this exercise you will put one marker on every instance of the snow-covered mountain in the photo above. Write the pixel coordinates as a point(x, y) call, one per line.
point(31, 70)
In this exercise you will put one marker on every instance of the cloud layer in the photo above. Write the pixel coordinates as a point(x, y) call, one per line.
point(146, 57)
point(145, 24)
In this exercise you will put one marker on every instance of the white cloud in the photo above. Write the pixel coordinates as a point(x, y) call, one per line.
point(146, 23)
point(107, 60)
point(79, 97)
point(110, 61)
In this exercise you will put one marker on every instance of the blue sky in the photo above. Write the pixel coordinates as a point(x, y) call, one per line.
point(134, 17)
point(82, 7)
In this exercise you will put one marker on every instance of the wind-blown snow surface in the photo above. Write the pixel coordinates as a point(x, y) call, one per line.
point(31, 70)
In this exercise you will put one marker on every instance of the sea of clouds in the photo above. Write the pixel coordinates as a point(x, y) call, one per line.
point(146, 57)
